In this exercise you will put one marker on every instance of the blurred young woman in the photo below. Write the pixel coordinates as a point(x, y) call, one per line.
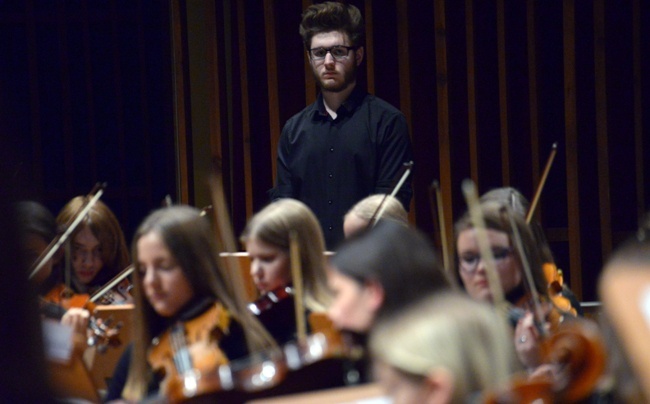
point(508, 262)
point(381, 271)
point(98, 247)
point(267, 239)
point(446, 348)
point(37, 229)
point(623, 288)
point(178, 282)
point(560, 293)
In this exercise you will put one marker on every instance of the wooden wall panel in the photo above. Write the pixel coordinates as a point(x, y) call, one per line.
point(487, 88)
point(98, 104)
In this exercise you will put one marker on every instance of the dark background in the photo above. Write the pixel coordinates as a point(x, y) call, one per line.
point(87, 94)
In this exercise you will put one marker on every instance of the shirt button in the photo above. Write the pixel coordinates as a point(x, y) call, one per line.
point(330, 202)
point(331, 149)
point(330, 228)
point(331, 176)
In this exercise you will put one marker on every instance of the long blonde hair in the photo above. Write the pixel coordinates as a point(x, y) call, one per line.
point(273, 224)
point(451, 331)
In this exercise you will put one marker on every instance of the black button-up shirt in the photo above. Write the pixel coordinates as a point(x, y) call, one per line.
point(331, 164)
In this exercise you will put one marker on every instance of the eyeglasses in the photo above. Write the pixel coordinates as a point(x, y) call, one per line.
point(338, 52)
point(469, 262)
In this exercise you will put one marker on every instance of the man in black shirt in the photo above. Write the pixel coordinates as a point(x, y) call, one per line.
point(348, 144)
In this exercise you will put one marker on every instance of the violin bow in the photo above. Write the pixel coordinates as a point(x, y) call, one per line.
point(434, 189)
point(111, 284)
point(225, 233)
point(528, 273)
point(296, 275)
point(54, 246)
point(476, 215)
point(402, 175)
point(542, 182)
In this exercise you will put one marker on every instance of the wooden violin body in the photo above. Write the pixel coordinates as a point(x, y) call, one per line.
point(576, 350)
point(187, 354)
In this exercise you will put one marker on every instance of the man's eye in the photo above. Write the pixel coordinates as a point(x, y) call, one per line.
point(319, 52)
point(339, 52)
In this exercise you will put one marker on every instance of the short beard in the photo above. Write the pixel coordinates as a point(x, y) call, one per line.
point(349, 77)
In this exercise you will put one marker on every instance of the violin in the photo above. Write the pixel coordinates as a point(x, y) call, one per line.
point(270, 299)
point(102, 333)
point(64, 297)
point(577, 352)
point(187, 354)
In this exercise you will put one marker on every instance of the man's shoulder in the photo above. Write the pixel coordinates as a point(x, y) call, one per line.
point(380, 104)
point(306, 113)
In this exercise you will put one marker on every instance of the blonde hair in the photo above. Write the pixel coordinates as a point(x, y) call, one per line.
point(273, 224)
point(451, 331)
point(367, 207)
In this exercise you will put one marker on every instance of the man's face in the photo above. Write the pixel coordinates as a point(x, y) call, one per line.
point(332, 74)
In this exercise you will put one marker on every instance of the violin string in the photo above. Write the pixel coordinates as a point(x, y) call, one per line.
point(181, 355)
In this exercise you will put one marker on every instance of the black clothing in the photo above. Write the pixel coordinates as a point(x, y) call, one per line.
point(331, 164)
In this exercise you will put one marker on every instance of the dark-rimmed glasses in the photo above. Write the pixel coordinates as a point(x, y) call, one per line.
point(469, 262)
point(338, 52)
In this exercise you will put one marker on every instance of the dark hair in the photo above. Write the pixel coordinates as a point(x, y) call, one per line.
point(34, 218)
point(332, 16)
point(106, 228)
point(401, 259)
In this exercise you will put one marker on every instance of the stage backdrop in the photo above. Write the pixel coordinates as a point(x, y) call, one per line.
point(151, 95)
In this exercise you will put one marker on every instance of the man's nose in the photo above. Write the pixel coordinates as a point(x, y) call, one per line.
point(329, 59)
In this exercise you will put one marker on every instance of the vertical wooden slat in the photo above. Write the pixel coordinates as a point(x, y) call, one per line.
point(601, 128)
point(272, 80)
point(88, 82)
point(403, 57)
point(119, 105)
point(471, 91)
point(245, 110)
point(310, 82)
point(532, 91)
point(638, 108)
point(503, 94)
point(65, 106)
point(404, 71)
point(369, 48)
point(229, 108)
point(180, 128)
point(442, 91)
point(145, 125)
point(35, 111)
point(571, 140)
point(215, 116)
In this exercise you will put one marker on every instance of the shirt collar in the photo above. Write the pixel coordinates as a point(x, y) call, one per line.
point(349, 105)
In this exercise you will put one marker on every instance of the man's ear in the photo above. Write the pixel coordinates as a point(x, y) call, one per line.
point(375, 293)
point(440, 386)
point(358, 55)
